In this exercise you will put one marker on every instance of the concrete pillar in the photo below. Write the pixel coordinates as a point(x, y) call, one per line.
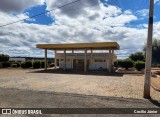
point(110, 61)
point(147, 82)
point(91, 56)
point(112, 57)
point(85, 60)
point(55, 59)
point(91, 60)
point(91, 51)
point(64, 59)
point(72, 59)
point(32, 62)
point(112, 51)
point(46, 59)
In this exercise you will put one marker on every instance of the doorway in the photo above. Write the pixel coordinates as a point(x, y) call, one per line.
point(78, 64)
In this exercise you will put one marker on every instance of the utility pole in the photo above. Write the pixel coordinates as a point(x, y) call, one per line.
point(147, 81)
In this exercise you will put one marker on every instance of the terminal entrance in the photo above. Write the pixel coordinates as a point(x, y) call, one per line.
point(76, 61)
point(78, 64)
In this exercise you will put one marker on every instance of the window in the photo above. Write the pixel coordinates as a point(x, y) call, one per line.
point(100, 60)
point(68, 60)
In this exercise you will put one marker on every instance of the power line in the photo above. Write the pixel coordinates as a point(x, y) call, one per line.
point(40, 13)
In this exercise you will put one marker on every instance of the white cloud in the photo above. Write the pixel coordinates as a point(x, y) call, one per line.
point(157, 1)
point(156, 28)
point(72, 10)
point(86, 24)
point(143, 12)
point(13, 6)
point(8, 18)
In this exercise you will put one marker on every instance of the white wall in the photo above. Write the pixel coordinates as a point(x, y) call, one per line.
point(96, 66)
point(68, 65)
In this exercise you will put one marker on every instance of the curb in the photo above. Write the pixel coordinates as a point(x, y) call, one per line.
point(155, 88)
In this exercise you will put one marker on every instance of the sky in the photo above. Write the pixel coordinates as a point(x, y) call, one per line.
point(123, 21)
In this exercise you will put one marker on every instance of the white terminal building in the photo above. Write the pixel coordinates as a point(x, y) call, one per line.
point(83, 56)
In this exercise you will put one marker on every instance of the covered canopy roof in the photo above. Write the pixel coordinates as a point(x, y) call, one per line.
point(96, 45)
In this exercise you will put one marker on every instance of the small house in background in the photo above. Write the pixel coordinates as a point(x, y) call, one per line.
point(23, 59)
point(17, 59)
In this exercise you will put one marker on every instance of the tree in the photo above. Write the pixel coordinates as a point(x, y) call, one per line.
point(118, 63)
point(139, 65)
point(28, 64)
point(127, 63)
point(155, 51)
point(138, 56)
point(37, 64)
point(4, 58)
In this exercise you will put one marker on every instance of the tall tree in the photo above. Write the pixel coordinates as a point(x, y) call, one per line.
point(155, 51)
point(4, 58)
point(138, 56)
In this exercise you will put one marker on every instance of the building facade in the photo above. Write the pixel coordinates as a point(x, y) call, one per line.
point(95, 61)
point(85, 60)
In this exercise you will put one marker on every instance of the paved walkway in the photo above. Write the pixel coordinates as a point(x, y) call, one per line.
point(40, 99)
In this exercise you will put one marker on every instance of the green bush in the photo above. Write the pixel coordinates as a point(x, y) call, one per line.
point(118, 63)
point(6, 64)
point(23, 65)
point(158, 65)
point(37, 64)
point(28, 64)
point(138, 56)
point(4, 58)
point(127, 63)
point(139, 65)
point(42, 64)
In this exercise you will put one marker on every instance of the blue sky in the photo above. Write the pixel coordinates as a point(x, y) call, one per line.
point(124, 21)
point(132, 5)
point(44, 19)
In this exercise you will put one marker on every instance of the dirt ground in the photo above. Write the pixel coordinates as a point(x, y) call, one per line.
point(127, 86)
point(28, 88)
point(156, 80)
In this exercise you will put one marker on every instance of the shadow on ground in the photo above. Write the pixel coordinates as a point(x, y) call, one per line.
point(60, 71)
point(13, 98)
point(155, 102)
